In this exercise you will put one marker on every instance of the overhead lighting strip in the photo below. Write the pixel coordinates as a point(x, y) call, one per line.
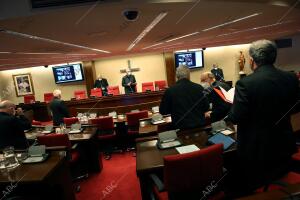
point(147, 30)
point(231, 22)
point(27, 36)
point(253, 29)
point(184, 36)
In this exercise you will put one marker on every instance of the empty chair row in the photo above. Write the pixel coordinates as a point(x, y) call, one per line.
point(97, 92)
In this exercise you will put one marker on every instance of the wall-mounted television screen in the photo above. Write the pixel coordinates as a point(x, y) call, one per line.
point(68, 73)
point(192, 59)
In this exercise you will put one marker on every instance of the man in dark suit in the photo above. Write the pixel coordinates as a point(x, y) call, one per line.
point(12, 126)
point(220, 107)
point(101, 83)
point(58, 109)
point(265, 141)
point(185, 102)
point(217, 72)
point(129, 82)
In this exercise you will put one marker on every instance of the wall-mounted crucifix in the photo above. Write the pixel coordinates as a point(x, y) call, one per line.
point(129, 67)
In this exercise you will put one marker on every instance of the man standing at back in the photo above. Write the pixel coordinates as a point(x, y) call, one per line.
point(12, 126)
point(261, 106)
point(58, 108)
point(185, 101)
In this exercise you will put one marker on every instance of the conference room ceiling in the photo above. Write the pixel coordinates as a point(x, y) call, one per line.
point(88, 31)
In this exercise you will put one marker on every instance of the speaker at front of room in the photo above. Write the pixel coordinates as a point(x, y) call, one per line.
point(284, 43)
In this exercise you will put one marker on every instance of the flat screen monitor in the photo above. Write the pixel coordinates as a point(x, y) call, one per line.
point(192, 59)
point(68, 73)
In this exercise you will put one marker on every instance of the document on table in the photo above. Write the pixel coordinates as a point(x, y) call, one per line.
point(227, 132)
point(187, 149)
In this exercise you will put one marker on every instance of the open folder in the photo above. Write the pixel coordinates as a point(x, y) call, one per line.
point(229, 95)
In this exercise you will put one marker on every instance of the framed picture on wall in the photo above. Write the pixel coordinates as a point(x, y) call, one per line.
point(23, 84)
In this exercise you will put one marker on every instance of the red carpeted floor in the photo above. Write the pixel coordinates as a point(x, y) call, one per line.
point(117, 180)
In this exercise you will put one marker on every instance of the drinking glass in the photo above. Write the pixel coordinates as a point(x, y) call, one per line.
point(10, 157)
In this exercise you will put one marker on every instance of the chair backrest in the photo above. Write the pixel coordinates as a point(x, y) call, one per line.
point(48, 97)
point(147, 86)
point(134, 117)
point(52, 140)
point(80, 94)
point(114, 90)
point(103, 123)
point(96, 92)
point(191, 172)
point(160, 85)
point(70, 121)
point(36, 123)
point(28, 99)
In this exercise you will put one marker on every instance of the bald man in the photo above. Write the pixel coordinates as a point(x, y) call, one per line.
point(220, 108)
point(12, 126)
point(58, 108)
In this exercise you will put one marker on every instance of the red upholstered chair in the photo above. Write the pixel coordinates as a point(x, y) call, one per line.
point(80, 94)
point(70, 121)
point(160, 85)
point(96, 92)
point(48, 97)
point(113, 90)
point(62, 140)
point(28, 99)
point(187, 175)
point(289, 179)
point(36, 123)
point(133, 121)
point(59, 140)
point(105, 133)
point(147, 87)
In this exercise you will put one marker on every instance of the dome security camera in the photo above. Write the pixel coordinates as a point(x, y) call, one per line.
point(131, 15)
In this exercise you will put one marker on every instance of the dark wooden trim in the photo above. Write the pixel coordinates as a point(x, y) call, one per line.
point(170, 67)
point(88, 67)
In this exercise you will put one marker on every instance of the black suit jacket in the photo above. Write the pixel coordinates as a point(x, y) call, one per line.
point(127, 79)
point(186, 103)
point(12, 131)
point(220, 108)
point(260, 109)
point(59, 111)
point(101, 84)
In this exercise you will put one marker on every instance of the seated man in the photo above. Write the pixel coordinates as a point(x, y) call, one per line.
point(12, 126)
point(58, 109)
point(185, 101)
point(102, 84)
point(220, 107)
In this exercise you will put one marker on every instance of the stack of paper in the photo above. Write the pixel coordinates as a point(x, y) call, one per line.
point(187, 149)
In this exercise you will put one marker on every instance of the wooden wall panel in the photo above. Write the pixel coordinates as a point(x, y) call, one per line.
point(170, 68)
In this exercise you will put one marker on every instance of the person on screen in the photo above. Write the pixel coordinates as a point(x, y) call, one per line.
point(101, 83)
point(12, 126)
point(265, 140)
point(220, 107)
point(185, 101)
point(129, 82)
point(58, 109)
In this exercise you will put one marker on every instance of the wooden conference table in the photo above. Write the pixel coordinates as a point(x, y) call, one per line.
point(149, 159)
point(87, 143)
point(50, 179)
point(102, 106)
